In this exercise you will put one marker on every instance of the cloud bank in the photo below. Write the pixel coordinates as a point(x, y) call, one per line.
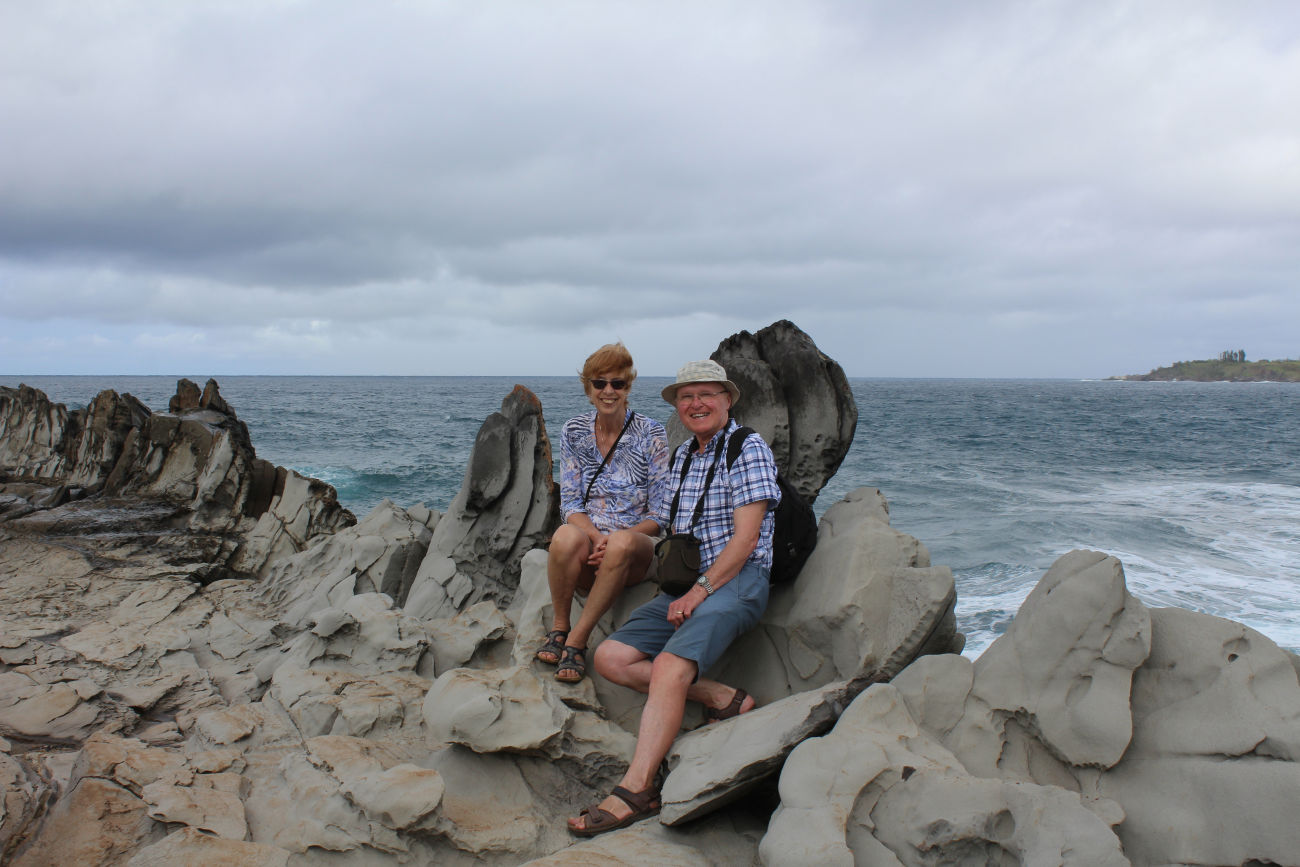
point(931, 189)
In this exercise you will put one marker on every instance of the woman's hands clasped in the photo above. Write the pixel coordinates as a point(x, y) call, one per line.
point(598, 542)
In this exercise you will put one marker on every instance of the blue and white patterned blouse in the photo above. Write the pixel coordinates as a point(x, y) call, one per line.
point(751, 478)
point(633, 483)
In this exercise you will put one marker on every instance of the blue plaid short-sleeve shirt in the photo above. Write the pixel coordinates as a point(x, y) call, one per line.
point(751, 478)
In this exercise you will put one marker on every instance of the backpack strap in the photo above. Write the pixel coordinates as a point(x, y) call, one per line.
point(736, 443)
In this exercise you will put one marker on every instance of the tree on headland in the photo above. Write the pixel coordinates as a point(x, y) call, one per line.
point(1235, 355)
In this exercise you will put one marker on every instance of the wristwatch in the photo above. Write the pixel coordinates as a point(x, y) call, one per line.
point(703, 581)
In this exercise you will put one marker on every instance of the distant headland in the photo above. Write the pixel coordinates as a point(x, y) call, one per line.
point(1230, 366)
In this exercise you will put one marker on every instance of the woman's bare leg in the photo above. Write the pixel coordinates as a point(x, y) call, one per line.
point(565, 564)
point(627, 558)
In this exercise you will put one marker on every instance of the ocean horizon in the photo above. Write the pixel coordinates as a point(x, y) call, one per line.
point(1195, 487)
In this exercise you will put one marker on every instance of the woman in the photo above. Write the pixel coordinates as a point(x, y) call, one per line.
point(613, 476)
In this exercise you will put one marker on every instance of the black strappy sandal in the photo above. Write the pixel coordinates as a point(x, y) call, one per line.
point(573, 665)
point(554, 646)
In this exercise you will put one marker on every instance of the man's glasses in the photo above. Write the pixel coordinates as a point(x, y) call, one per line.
point(599, 384)
point(699, 395)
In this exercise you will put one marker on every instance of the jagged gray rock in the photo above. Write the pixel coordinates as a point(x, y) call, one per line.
point(495, 711)
point(469, 637)
point(1153, 722)
point(22, 795)
point(796, 397)
point(1216, 742)
point(507, 505)
point(716, 764)
point(396, 794)
point(148, 474)
point(880, 789)
point(43, 441)
point(866, 604)
point(188, 846)
point(379, 555)
point(1055, 688)
point(727, 839)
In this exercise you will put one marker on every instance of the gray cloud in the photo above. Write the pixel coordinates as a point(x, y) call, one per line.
point(260, 183)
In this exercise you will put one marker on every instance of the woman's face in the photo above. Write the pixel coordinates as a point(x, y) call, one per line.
point(607, 399)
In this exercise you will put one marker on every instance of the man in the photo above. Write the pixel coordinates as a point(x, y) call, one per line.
point(670, 641)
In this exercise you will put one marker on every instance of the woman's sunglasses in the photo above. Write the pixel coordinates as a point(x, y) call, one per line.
point(599, 384)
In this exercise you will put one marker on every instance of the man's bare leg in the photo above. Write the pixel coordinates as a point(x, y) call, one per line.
point(627, 666)
point(661, 720)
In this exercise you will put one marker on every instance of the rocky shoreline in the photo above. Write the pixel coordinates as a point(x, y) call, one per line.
point(204, 659)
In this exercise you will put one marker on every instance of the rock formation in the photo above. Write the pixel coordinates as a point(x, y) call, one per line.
point(796, 397)
point(867, 603)
point(1095, 731)
point(508, 505)
point(194, 672)
point(186, 482)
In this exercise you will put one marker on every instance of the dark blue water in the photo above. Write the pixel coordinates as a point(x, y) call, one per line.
point(1194, 486)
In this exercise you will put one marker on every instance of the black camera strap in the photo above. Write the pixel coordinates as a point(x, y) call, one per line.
point(609, 454)
point(708, 480)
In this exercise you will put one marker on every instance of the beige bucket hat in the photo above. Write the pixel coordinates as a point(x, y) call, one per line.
point(701, 371)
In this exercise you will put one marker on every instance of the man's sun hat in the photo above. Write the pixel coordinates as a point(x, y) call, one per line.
point(701, 371)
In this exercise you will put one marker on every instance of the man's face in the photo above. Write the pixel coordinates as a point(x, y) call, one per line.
point(703, 407)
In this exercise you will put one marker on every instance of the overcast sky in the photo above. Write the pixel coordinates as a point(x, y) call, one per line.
point(1059, 189)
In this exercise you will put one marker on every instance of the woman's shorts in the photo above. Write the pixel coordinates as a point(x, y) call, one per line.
point(732, 610)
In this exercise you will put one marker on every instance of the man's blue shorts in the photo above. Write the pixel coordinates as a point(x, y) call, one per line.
point(733, 609)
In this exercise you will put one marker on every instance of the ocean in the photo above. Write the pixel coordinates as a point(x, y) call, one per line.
point(1195, 487)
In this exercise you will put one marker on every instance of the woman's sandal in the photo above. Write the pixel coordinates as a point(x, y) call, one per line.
point(554, 646)
point(713, 714)
point(573, 665)
point(599, 821)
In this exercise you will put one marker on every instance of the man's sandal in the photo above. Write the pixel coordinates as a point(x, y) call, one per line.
point(598, 821)
point(551, 651)
point(714, 714)
point(573, 665)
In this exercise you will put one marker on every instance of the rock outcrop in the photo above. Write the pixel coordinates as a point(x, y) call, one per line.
point(507, 505)
point(187, 482)
point(867, 603)
point(880, 789)
point(796, 397)
point(1094, 731)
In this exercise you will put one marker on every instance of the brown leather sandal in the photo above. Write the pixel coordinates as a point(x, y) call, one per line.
point(598, 821)
point(713, 714)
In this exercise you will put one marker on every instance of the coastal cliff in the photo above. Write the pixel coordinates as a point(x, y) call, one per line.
point(200, 667)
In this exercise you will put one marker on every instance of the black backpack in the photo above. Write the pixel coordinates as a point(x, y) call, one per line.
point(795, 534)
